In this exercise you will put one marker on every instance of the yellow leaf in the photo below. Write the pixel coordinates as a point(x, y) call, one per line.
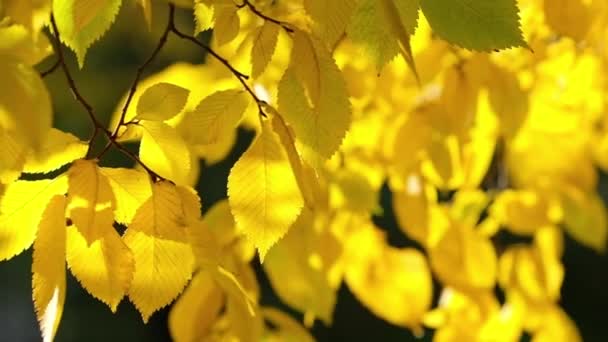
point(59, 149)
point(204, 243)
point(167, 212)
point(556, 326)
point(319, 128)
point(203, 17)
point(162, 270)
point(382, 27)
point(82, 22)
point(330, 18)
point(307, 288)
point(26, 46)
point(31, 14)
point(90, 200)
point(417, 212)
point(306, 62)
point(286, 328)
point(394, 284)
point(508, 100)
point(412, 139)
point(194, 313)
point(12, 156)
point(262, 191)
point(48, 268)
point(264, 43)
point(161, 102)
point(227, 23)
point(21, 208)
point(399, 28)
point(306, 184)
point(215, 116)
point(234, 290)
point(163, 150)
point(522, 211)
point(25, 104)
point(131, 188)
point(104, 268)
point(572, 18)
point(532, 272)
point(464, 259)
point(585, 217)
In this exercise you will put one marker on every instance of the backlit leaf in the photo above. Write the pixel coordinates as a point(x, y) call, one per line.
point(163, 150)
point(162, 270)
point(48, 268)
point(25, 104)
point(196, 310)
point(90, 200)
point(319, 129)
point(131, 188)
point(161, 102)
point(475, 25)
point(104, 268)
point(215, 116)
point(21, 209)
point(264, 44)
point(330, 18)
point(82, 22)
point(381, 26)
point(262, 191)
point(165, 214)
point(227, 23)
point(60, 148)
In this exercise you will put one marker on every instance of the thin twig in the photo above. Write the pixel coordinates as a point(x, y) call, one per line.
point(140, 70)
point(68, 75)
point(237, 74)
point(51, 69)
point(255, 11)
point(97, 125)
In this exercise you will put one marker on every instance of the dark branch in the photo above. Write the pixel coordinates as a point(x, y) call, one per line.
point(140, 70)
point(255, 11)
point(239, 75)
point(51, 69)
point(68, 75)
point(97, 125)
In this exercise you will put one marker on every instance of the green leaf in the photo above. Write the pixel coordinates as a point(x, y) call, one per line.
point(474, 24)
point(380, 27)
point(161, 102)
point(82, 22)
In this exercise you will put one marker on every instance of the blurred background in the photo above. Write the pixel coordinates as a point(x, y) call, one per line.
point(107, 75)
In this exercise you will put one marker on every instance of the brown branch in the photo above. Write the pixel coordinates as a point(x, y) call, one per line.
point(68, 75)
point(140, 70)
point(255, 11)
point(237, 74)
point(51, 69)
point(97, 125)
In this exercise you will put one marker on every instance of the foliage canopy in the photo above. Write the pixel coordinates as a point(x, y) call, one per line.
point(479, 116)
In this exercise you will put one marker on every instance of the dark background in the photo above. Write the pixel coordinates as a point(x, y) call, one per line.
point(108, 72)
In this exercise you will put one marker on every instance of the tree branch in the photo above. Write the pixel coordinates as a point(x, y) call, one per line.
point(50, 70)
point(97, 125)
point(140, 70)
point(237, 74)
point(252, 8)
